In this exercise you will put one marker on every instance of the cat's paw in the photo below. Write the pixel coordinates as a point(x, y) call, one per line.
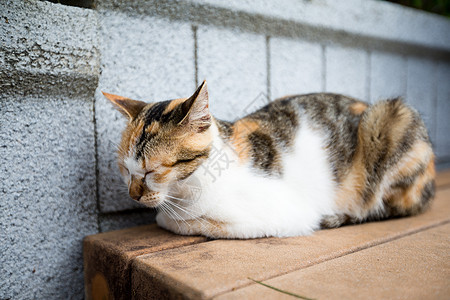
point(163, 221)
point(175, 226)
point(202, 226)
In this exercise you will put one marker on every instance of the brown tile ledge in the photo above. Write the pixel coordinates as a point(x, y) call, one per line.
point(108, 256)
point(149, 263)
point(416, 266)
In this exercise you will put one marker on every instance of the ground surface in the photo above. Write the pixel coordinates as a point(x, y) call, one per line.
point(405, 258)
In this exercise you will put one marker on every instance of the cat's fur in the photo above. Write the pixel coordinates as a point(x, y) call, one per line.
point(297, 164)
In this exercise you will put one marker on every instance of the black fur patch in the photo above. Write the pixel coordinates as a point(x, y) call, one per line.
point(428, 193)
point(264, 152)
point(330, 113)
point(225, 129)
point(278, 120)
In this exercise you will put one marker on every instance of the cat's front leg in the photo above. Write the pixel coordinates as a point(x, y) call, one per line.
point(199, 226)
point(170, 224)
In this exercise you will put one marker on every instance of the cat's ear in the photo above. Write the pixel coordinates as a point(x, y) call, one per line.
point(196, 110)
point(129, 108)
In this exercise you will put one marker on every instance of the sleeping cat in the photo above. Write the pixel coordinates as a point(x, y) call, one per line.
point(298, 164)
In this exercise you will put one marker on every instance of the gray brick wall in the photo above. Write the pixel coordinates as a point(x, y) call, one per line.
point(59, 179)
point(296, 66)
point(225, 54)
point(387, 75)
point(421, 89)
point(346, 71)
point(48, 71)
point(442, 108)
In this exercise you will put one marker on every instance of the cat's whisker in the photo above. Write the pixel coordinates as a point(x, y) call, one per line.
point(170, 198)
point(171, 216)
point(177, 215)
point(180, 218)
point(190, 213)
point(124, 193)
point(176, 198)
point(163, 210)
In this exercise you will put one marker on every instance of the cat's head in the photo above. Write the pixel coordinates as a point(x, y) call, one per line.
point(163, 143)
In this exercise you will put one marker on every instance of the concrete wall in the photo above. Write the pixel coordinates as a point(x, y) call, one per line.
point(59, 179)
point(49, 72)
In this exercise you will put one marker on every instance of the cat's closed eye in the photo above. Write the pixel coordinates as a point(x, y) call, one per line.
point(188, 159)
point(181, 161)
point(147, 173)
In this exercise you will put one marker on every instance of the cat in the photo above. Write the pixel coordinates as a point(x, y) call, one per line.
point(296, 165)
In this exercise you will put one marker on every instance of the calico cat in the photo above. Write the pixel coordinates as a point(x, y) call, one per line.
point(298, 164)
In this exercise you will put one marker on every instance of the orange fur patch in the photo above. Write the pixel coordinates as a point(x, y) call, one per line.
point(161, 177)
point(153, 128)
point(112, 97)
point(403, 121)
point(152, 161)
point(198, 142)
point(420, 152)
point(419, 185)
point(409, 199)
point(285, 97)
point(173, 104)
point(241, 130)
point(126, 106)
point(217, 227)
point(129, 136)
point(348, 197)
point(136, 132)
point(200, 227)
point(358, 108)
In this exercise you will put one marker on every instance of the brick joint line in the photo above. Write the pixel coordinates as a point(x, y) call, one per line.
point(351, 251)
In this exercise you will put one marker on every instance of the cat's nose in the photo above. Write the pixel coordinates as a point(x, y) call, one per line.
point(135, 196)
point(135, 193)
point(136, 189)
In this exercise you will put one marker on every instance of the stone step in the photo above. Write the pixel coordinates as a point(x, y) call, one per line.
point(443, 179)
point(416, 266)
point(149, 263)
point(108, 257)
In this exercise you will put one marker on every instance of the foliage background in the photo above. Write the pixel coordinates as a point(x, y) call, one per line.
point(441, 7)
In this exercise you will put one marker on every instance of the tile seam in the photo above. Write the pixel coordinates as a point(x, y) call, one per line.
point(323, 70)
point(268, 63)
point(181, 246)
point(357, 249)
point(195, 37)
point(368, 79)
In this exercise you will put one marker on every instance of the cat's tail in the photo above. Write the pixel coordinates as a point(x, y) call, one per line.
point(395, 152)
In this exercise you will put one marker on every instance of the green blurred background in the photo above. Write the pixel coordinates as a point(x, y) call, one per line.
point(441, 7)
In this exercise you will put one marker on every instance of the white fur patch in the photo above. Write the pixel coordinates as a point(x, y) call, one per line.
point(253, 206)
